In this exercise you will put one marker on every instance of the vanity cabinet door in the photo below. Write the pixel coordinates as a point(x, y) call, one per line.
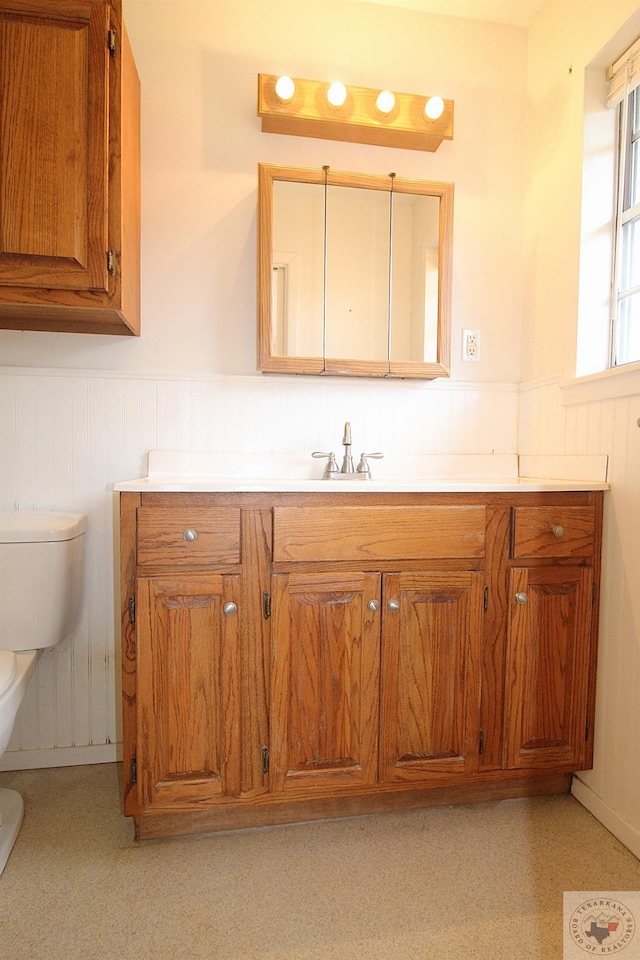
point(431, 636)
point(547, 666)
point(325, 660)
point(187, 689)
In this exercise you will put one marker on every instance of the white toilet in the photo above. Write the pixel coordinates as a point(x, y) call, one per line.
point(41, 586)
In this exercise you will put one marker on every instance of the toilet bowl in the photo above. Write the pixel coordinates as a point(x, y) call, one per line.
point(15, 672)
point(41, 586)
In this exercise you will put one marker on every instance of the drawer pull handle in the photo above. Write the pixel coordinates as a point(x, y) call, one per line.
point(374, 606)
point(557, 529)
point(394, 605)
point(190, 535)
point(230, 609)
point(521, 598)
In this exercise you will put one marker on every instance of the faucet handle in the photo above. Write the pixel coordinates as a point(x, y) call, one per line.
point(331, 467)
point(363, 466)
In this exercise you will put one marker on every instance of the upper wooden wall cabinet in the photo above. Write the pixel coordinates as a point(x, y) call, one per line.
point(69, 168)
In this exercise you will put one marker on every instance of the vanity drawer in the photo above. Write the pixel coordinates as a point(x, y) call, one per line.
point(378, 533)
point(191, 538)
point(553, 532)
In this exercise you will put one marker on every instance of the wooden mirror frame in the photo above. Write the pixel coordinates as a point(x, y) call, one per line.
point(272, 363)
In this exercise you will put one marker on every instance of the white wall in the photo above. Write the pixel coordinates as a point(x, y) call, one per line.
point(80, 412)
point(201, 143)
point(598, 415)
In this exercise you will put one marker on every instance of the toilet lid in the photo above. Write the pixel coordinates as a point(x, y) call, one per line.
point(8, 669)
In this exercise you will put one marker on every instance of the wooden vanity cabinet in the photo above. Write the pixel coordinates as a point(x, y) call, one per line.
point(69, 168)
point(308, 656)
point(551, 609)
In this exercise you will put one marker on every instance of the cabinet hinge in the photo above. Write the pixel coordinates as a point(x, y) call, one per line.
point(133, 771)
point(486, 598)
point(481, 743)
point(265, 759)
point(266, 605)
point(111, 42)
point(131, 604)
point(112, 262)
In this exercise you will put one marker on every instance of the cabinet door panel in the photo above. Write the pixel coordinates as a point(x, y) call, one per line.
point(53, 144)
point(325, 669)
point(187, 693)
point(548, 655)
point(430, 675)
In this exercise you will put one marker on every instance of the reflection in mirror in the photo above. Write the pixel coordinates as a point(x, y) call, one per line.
point(414, 294)
point(354, 274)
point(357, 298)
point(298, 269)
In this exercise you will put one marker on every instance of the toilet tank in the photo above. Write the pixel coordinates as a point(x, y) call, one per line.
point(41, 577)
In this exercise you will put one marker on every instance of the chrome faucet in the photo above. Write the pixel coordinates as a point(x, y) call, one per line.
point(347, 460)
point(347, 472)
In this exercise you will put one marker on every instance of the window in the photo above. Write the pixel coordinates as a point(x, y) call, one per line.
point(624, 89)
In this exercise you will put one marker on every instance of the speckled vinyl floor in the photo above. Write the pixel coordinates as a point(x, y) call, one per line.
point(478, 881)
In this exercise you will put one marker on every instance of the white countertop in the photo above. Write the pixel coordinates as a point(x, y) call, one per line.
point(195, 472)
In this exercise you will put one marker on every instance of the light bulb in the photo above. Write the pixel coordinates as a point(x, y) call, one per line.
point(386, 101)
point(434, 108)
point(285, 89)
point(337, 94)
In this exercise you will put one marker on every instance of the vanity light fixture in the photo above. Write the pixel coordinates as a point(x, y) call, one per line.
point(386, 101)
point(434, 108)
point(336, 94)
point(315, 108)
point(285, 89)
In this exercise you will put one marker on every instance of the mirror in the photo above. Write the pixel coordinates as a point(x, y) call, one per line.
point(354, 274)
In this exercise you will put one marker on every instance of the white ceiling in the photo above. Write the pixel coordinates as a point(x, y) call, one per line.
point(519, 13)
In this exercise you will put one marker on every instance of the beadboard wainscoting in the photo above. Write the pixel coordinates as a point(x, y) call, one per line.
point(551, 422)
point(66, 437)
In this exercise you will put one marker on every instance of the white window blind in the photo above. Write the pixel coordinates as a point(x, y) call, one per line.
point(624, 74)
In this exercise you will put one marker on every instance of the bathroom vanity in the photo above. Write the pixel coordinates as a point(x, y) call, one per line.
point(336, 649)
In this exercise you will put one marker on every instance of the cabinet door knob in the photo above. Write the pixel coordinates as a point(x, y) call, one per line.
point(394, 605)
point(557, 529)
point(374, 605)
point(230, 609)
point(190, 535)
point(521, 598)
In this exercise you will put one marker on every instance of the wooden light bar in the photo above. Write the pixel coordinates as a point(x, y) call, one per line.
point(309, 114)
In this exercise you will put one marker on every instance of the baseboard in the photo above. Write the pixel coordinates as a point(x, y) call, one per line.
point(625, 833)
point(60, 757)
point(268, 810)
